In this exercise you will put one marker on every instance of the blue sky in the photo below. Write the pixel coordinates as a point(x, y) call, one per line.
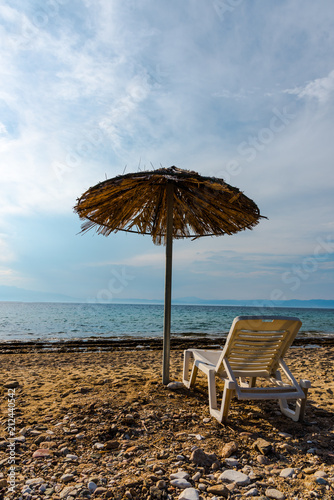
point(234, 89)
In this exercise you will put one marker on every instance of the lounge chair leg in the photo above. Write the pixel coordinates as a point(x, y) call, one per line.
point(305, 385)
point(186, 361)
point(252, 382)
point(229, 388)
point(283, 403)
point(193, 375)
point(298, 413)
point(189, 382)
point(212, 390)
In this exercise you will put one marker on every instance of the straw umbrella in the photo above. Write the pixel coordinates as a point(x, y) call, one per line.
point(166, 203)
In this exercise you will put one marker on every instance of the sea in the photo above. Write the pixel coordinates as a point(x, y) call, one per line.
point(27, 321)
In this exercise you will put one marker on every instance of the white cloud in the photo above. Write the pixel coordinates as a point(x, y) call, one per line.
point(320, 89)
point(3, 130)
point(91, 88)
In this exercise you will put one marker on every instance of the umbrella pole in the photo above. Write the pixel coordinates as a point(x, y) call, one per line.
point(168, 284)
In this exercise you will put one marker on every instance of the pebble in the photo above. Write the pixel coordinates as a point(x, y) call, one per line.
point(112, 445)
point(180, 483)
point(320, 473)
point(83, 390)
point(35, 432)
point(173, 386)
point(128, 419)
point(275, 494)
point(312, 451)
point(49, 491)
point(321, 480)
point(66, 478)
point(64, 451)
point(99, 446)
point(42, 452)
point(285, 434)
point(199, 437)
point(67, 491)
point(246, 434)
point(91, 486)
point(253, 492)
point(100, 490)
point(179, 475)
point(48, 444)
point(233, 476)
point(288, 448)
point(196, 476)
point(199, 457)
point(189, 494)
point(26, 490)
point(229, 449)
point(219, 489)
point(232, 462)
point(263, 446)
point(288, 472)
point(73, 458)
point(20, 439)
point(161, 484)
point(34, 481)
point(309, 470)
point(40, 438)
point(43, 488)
point(262, 460)
point(11, 384)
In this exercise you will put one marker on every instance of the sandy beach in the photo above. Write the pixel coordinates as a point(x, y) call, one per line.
point(102, 425)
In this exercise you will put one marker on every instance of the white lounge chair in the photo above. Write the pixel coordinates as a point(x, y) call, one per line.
point(254, 349)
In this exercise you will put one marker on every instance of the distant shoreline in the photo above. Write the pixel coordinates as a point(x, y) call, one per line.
point(17, 294)
point(289, 304)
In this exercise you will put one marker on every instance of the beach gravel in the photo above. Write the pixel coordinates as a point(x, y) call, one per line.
point(133, 438)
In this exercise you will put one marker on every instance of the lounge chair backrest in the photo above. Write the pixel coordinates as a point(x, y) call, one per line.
point(256, 343)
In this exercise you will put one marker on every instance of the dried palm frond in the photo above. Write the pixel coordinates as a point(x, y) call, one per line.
point(137, 202)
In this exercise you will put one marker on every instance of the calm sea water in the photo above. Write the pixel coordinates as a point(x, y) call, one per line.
point(55, 321)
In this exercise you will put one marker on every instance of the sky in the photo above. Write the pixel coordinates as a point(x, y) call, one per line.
point(234, 89)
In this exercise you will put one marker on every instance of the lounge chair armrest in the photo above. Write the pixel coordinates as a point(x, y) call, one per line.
point(306, 384)
point(287, 372)
point(229, 372)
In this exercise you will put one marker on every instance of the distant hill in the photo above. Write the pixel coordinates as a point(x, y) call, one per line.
point(15, 294)
point(313, 303)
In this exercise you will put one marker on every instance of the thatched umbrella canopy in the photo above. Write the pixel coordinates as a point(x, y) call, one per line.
point(167, 203)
